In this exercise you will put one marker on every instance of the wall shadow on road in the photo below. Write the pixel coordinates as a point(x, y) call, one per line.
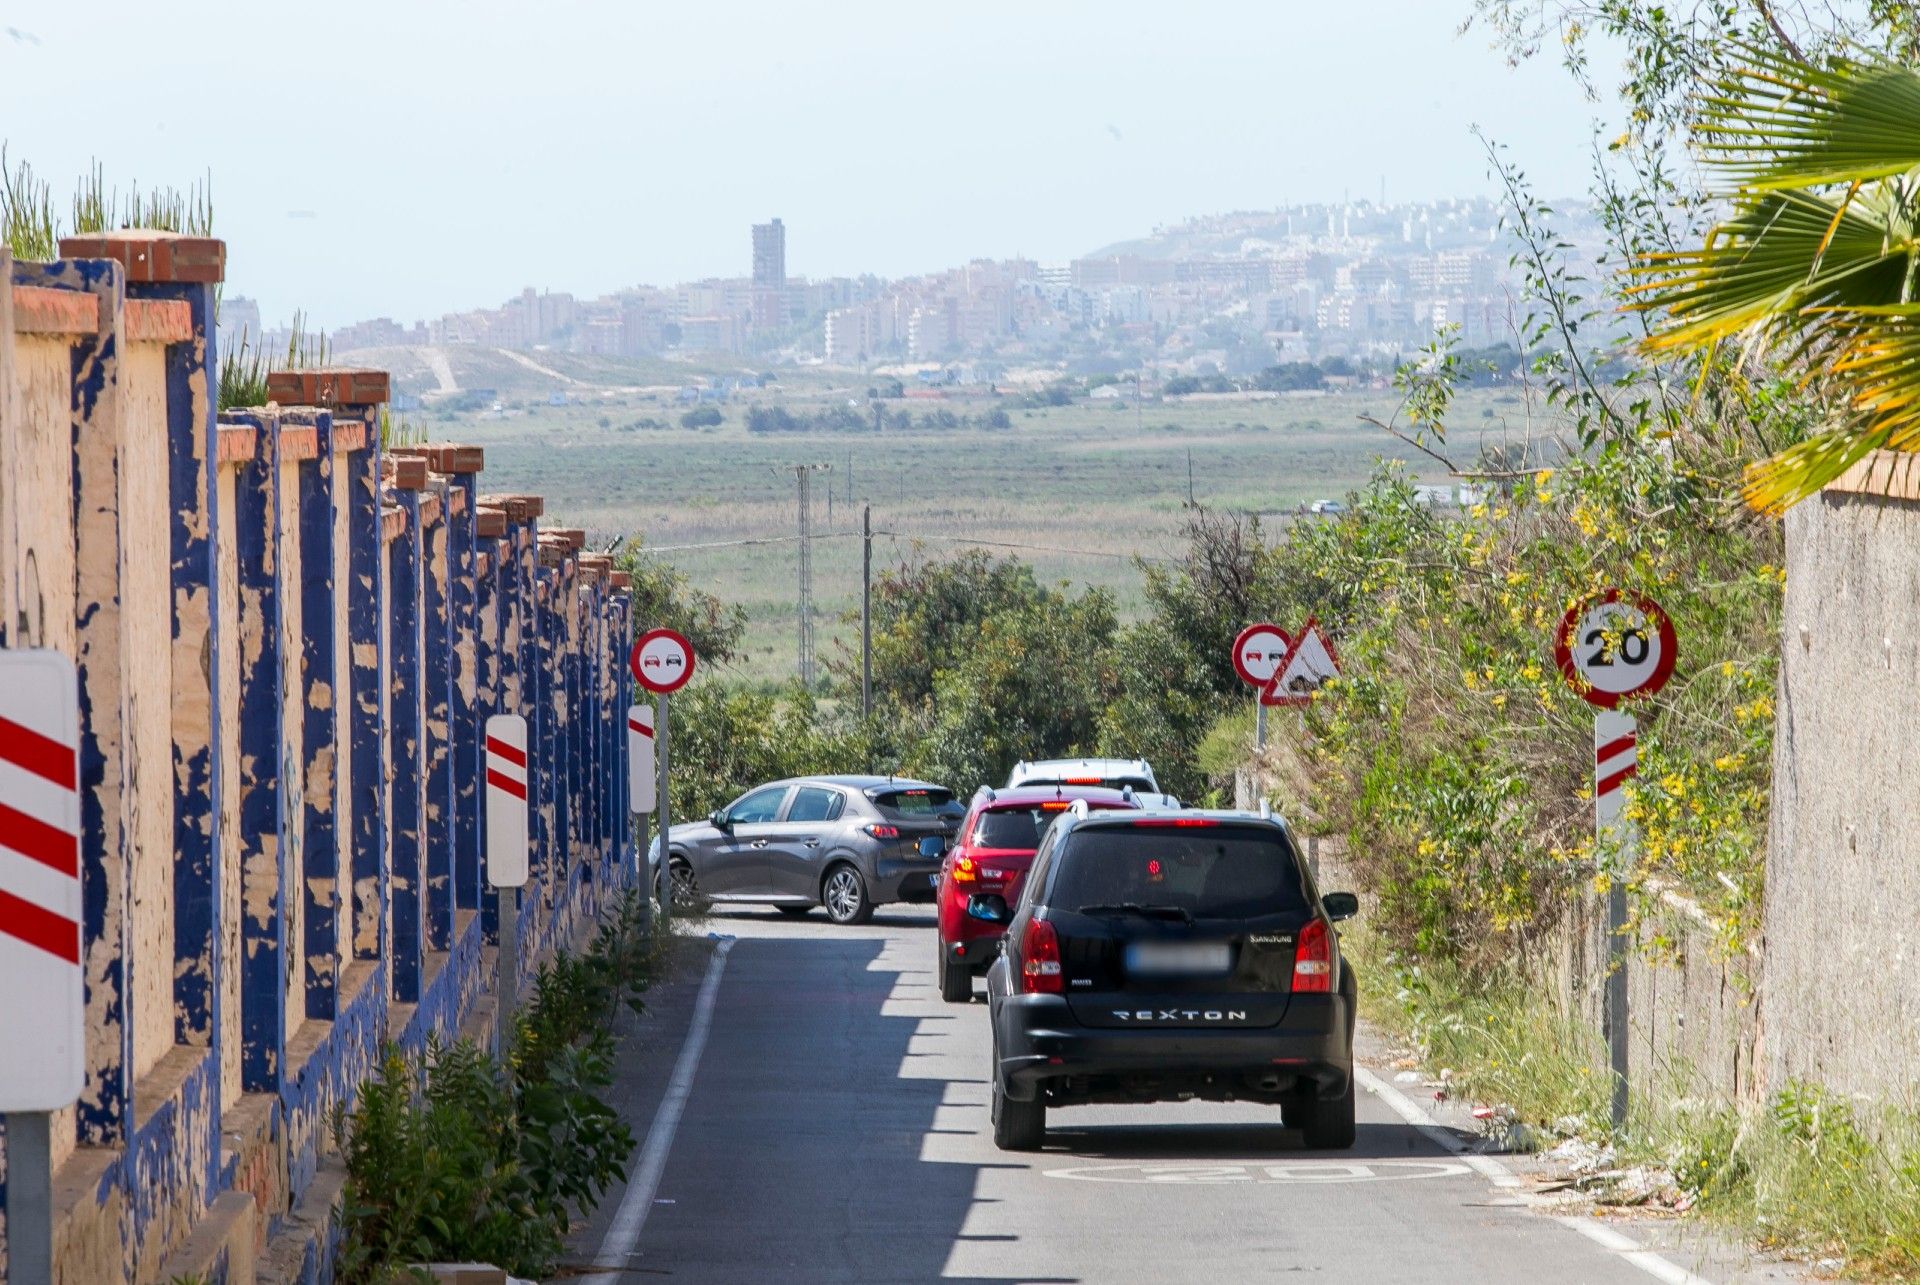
point(800, 1156)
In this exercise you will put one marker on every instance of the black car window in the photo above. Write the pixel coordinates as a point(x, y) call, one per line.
point(762, 805)
point(1014, 828)
point(811, 803)
point(1209, 871)
point(916, 802)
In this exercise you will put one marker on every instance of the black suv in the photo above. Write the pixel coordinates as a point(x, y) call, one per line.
point(1171, 955)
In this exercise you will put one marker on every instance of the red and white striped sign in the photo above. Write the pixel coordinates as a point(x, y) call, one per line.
point(507, 776)
point(640, 770)
point(1616, 757)
point(42, 996)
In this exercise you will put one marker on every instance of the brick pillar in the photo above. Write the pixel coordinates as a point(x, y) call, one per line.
point(461, 466)
point(181, 273)
point(406, 731)
point(317, 889)
point(354, 397)
point(438, 818)
point(263, 882)
point(101, 1116)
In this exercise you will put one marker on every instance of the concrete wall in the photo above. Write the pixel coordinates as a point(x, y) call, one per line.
point(278, 625)
point(1843, 872)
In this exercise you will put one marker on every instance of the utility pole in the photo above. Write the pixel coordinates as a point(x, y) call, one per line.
point(866, 611)
point(803, 477)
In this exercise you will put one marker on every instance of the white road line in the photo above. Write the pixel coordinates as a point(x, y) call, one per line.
point(1599, 1233)
point(631, 1218)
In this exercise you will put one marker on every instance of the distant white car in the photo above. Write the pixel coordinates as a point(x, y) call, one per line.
point(1115, 774)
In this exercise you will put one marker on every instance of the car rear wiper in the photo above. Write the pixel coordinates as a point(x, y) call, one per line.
point(1180, 913)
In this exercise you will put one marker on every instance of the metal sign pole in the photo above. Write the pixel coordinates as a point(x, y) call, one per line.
point(666, 817)
point(509, 955)
point(29, 1198)
point(1260, 722)
point(644, 823)
point(1614, 760)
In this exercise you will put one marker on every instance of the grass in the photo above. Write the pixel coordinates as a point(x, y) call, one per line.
point(1079, 490)
point(1804, 1172)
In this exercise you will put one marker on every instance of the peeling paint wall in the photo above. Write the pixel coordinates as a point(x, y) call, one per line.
point(226, 584)
point(293, 731)
point(227, 758)
point(146, 612)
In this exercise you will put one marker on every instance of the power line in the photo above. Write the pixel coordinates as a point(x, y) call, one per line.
point(897, 535)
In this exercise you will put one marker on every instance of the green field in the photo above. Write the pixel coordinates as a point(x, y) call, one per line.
point(1080, 489)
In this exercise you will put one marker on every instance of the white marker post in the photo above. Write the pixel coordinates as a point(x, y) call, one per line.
point(507, 776)
point(1258, 651)
point(42, 996)
point(662, 661)
point(640, 794)
point(1610, 648)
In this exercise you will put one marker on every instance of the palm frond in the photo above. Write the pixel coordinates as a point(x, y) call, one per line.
point(1779, 123)
point(1779, 255)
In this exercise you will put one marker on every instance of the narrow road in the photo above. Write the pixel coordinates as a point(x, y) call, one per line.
point(834, 1129)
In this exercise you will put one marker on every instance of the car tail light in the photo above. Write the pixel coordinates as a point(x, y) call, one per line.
point(1313, 959)
point(964, 871)
point(1178, 823)
point(1083, 780)
point(1055, 805)
point(880, 831)
point(1040, 959)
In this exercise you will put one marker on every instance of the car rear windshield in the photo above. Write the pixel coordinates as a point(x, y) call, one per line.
point(1209, 872)
point(1015, 828)
point(916, 802)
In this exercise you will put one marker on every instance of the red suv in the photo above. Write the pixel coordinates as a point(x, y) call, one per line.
point(988, 859)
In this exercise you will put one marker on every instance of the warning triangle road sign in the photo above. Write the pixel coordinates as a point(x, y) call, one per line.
point(1310, 662)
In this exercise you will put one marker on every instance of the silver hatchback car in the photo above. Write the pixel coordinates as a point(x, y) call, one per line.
point(848, 843)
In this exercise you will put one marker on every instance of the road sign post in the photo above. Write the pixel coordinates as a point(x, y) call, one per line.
point(640, 794)
point(662, 661)
point(507, 777)
point(41, 989)
point(1258, 651)
point(1612, 648)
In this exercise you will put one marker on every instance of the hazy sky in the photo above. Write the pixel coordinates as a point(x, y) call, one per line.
point(407, 158)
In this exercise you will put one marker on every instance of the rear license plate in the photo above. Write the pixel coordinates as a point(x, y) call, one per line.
point(1178, 958)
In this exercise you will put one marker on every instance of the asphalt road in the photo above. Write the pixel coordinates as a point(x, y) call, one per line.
point(823, 1118)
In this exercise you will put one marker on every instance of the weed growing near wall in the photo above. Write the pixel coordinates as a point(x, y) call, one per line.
point(455, 1155)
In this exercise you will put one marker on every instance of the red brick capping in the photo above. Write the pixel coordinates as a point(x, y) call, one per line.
point(489, 522)
point(519, 508)
point(406, 472)
point(159, 321)
point(623, 579)
point(328, 387)
point(349, 435)
point(445, 457)
point(42, 310)
point(238, 443)
point(299, 442)
point(150, 255)
point(573, 535)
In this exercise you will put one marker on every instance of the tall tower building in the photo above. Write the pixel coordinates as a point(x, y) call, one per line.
point(769, 275)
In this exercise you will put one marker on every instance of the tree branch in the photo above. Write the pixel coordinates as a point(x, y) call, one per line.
point(1452, 468)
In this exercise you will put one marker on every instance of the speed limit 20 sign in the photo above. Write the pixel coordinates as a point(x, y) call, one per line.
point(1615, 646)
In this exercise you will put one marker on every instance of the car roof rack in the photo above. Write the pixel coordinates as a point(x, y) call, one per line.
point(1078, 808)
point(1266, 810)
point(986, 790)
point(1126, 792)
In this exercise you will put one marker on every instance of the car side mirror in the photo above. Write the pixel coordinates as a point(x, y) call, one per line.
point(933, 845)
point(718, 820)
point(988, 908)
point(1340, 905)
